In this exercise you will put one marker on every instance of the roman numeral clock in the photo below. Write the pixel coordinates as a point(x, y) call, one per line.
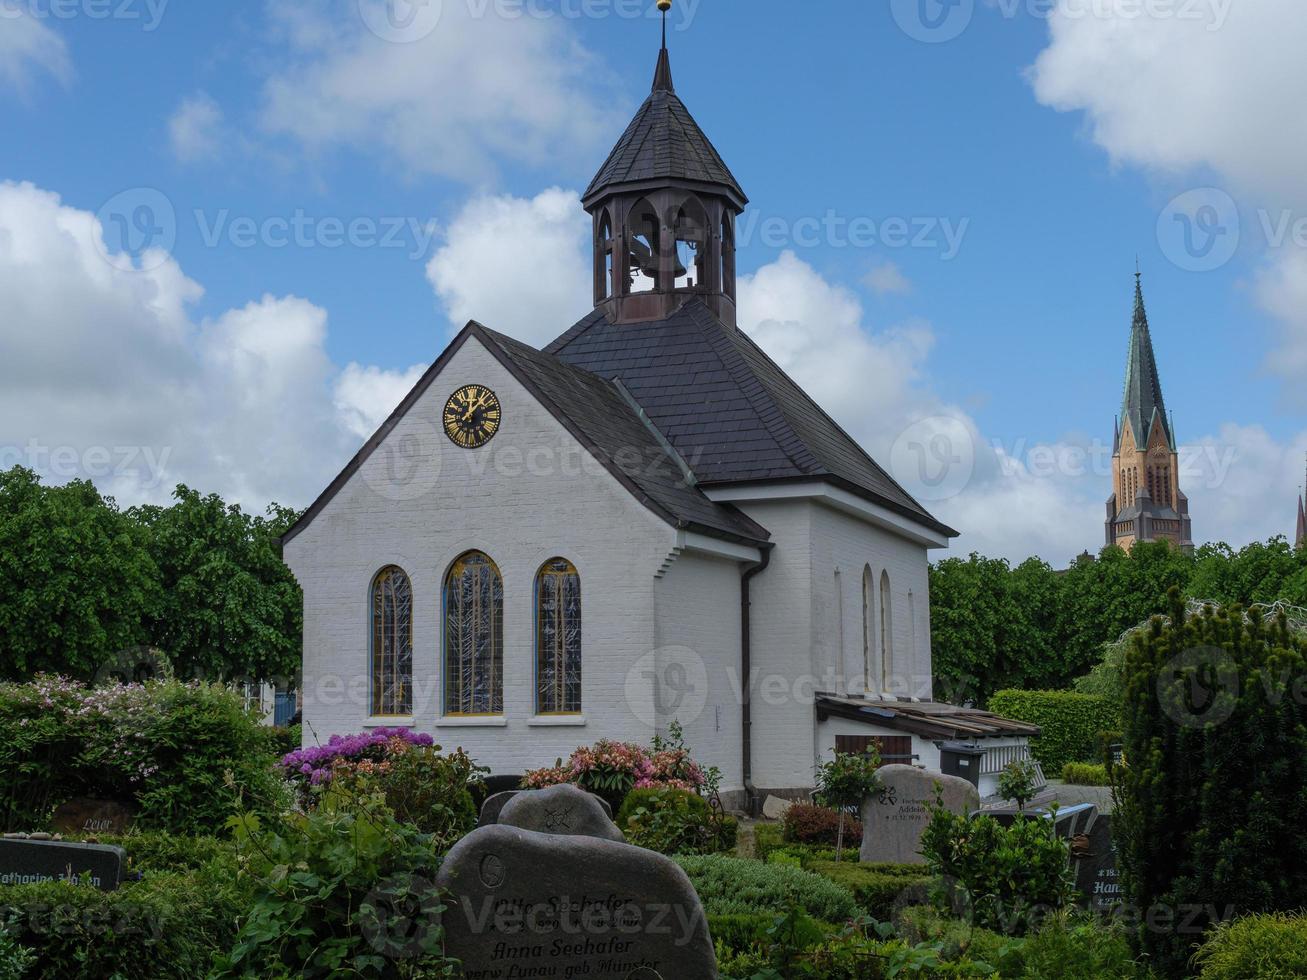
point(472, 416)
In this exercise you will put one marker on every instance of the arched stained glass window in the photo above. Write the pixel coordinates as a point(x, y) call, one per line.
point(392, 643)
point(558, 638)
point(474, 637)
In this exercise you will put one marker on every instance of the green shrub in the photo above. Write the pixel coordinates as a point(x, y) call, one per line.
point(734, 886)
point(286, 740)
point(1070, 947)
point(15, 959)
point(957, 940)
point(167, 926)
point(166, 747)
point(1086, 774)
point(767, 837)
point(1004, 877)
point(675, 821)
point(807, 823)
point(1212, 791)
point(877, 887)
point(1069, 723)
point(323, 884)
point(153, 851)
point(1257, 947)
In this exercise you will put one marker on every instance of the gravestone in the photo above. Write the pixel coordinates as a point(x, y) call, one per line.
point(895, 817)
point(85, 816)
point(26, 862)
point(1093, 856)
point(495, 803)
point(564, 810)
point(527, 904)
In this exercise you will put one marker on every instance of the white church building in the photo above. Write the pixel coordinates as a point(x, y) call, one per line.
point(645, 522)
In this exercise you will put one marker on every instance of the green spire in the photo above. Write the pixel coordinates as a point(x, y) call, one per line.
point(1143, 406)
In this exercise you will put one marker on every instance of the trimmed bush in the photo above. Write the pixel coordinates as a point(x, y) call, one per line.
point(1069, 723)
point(877, 887)
point(165, 746)
point(1086, 774)
point(1258, 947)
point(767, 837)
point(1071, 947)
point(167, 926)
point(149, 852)
point(738, 886)
point(807, 823)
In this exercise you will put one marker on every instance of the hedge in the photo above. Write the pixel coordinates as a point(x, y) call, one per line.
point(878, 888)
point(1086, 774)
point(1069, 723)
point(167, 926)
point(738, 886)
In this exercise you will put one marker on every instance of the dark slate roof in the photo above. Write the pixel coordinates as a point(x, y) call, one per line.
point(601, 418)
point(664, 142)
point(1142, 404)
point(928, 719)
point(731, 413)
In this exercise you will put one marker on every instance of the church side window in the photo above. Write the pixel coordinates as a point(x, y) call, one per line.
point(558, 638)
point(886, 632)
point(474, 637)
point(392, 643)
point(868, 587)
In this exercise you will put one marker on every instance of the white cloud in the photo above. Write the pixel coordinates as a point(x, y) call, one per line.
point(1281, 289)
point(365, 396)
point(1206, 88)
point(887, 279)
point(196, 128)
point(104, 373)
point(452, 97)
point(519, 266)
point(28, 48)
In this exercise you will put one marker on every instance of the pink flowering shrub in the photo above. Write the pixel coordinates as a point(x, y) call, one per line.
point(612, 769)
point(181, 754)
point(421, 786)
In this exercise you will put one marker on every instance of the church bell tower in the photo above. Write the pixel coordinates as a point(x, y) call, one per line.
point(664, 207)
point(1147, 503)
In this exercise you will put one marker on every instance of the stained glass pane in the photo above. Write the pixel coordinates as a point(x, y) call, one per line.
point(474, 631)
point(392, 643)
point(558, 639)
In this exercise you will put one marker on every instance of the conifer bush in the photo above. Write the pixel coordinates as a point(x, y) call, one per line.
point(1214, 786)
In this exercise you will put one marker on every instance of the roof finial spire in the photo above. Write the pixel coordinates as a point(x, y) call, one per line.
point(663, 76)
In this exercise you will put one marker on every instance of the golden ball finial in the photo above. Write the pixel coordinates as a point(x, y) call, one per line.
point(664, 5)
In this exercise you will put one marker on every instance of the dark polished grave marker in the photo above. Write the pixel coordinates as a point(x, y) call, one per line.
point(26, 862)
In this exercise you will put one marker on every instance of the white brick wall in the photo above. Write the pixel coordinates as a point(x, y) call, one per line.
point(529, 495)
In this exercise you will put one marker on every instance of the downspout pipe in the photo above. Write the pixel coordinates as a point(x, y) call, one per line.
point(746, 677)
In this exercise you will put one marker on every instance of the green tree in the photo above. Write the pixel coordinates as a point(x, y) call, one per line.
point(1210, 799)
point(230, 606)
point(76, 581)
point(1258, 573)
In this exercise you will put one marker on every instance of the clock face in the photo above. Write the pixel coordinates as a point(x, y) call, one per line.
point(472, 416)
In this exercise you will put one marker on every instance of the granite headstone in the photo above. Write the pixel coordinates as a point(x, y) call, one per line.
point(86, 816)
point(1093, 856)
point(527, 904)
point(495, 803)
point(895, 817)
point(26, 862)
point(564, 810)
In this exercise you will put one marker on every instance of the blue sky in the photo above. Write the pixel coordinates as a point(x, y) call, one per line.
point(1051, 180)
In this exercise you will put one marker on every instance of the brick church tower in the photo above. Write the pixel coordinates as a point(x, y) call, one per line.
point(1147, 503)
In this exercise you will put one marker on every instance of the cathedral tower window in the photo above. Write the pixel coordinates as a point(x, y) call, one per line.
point(474, 637)
point(392, 644)
point(558, 638)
